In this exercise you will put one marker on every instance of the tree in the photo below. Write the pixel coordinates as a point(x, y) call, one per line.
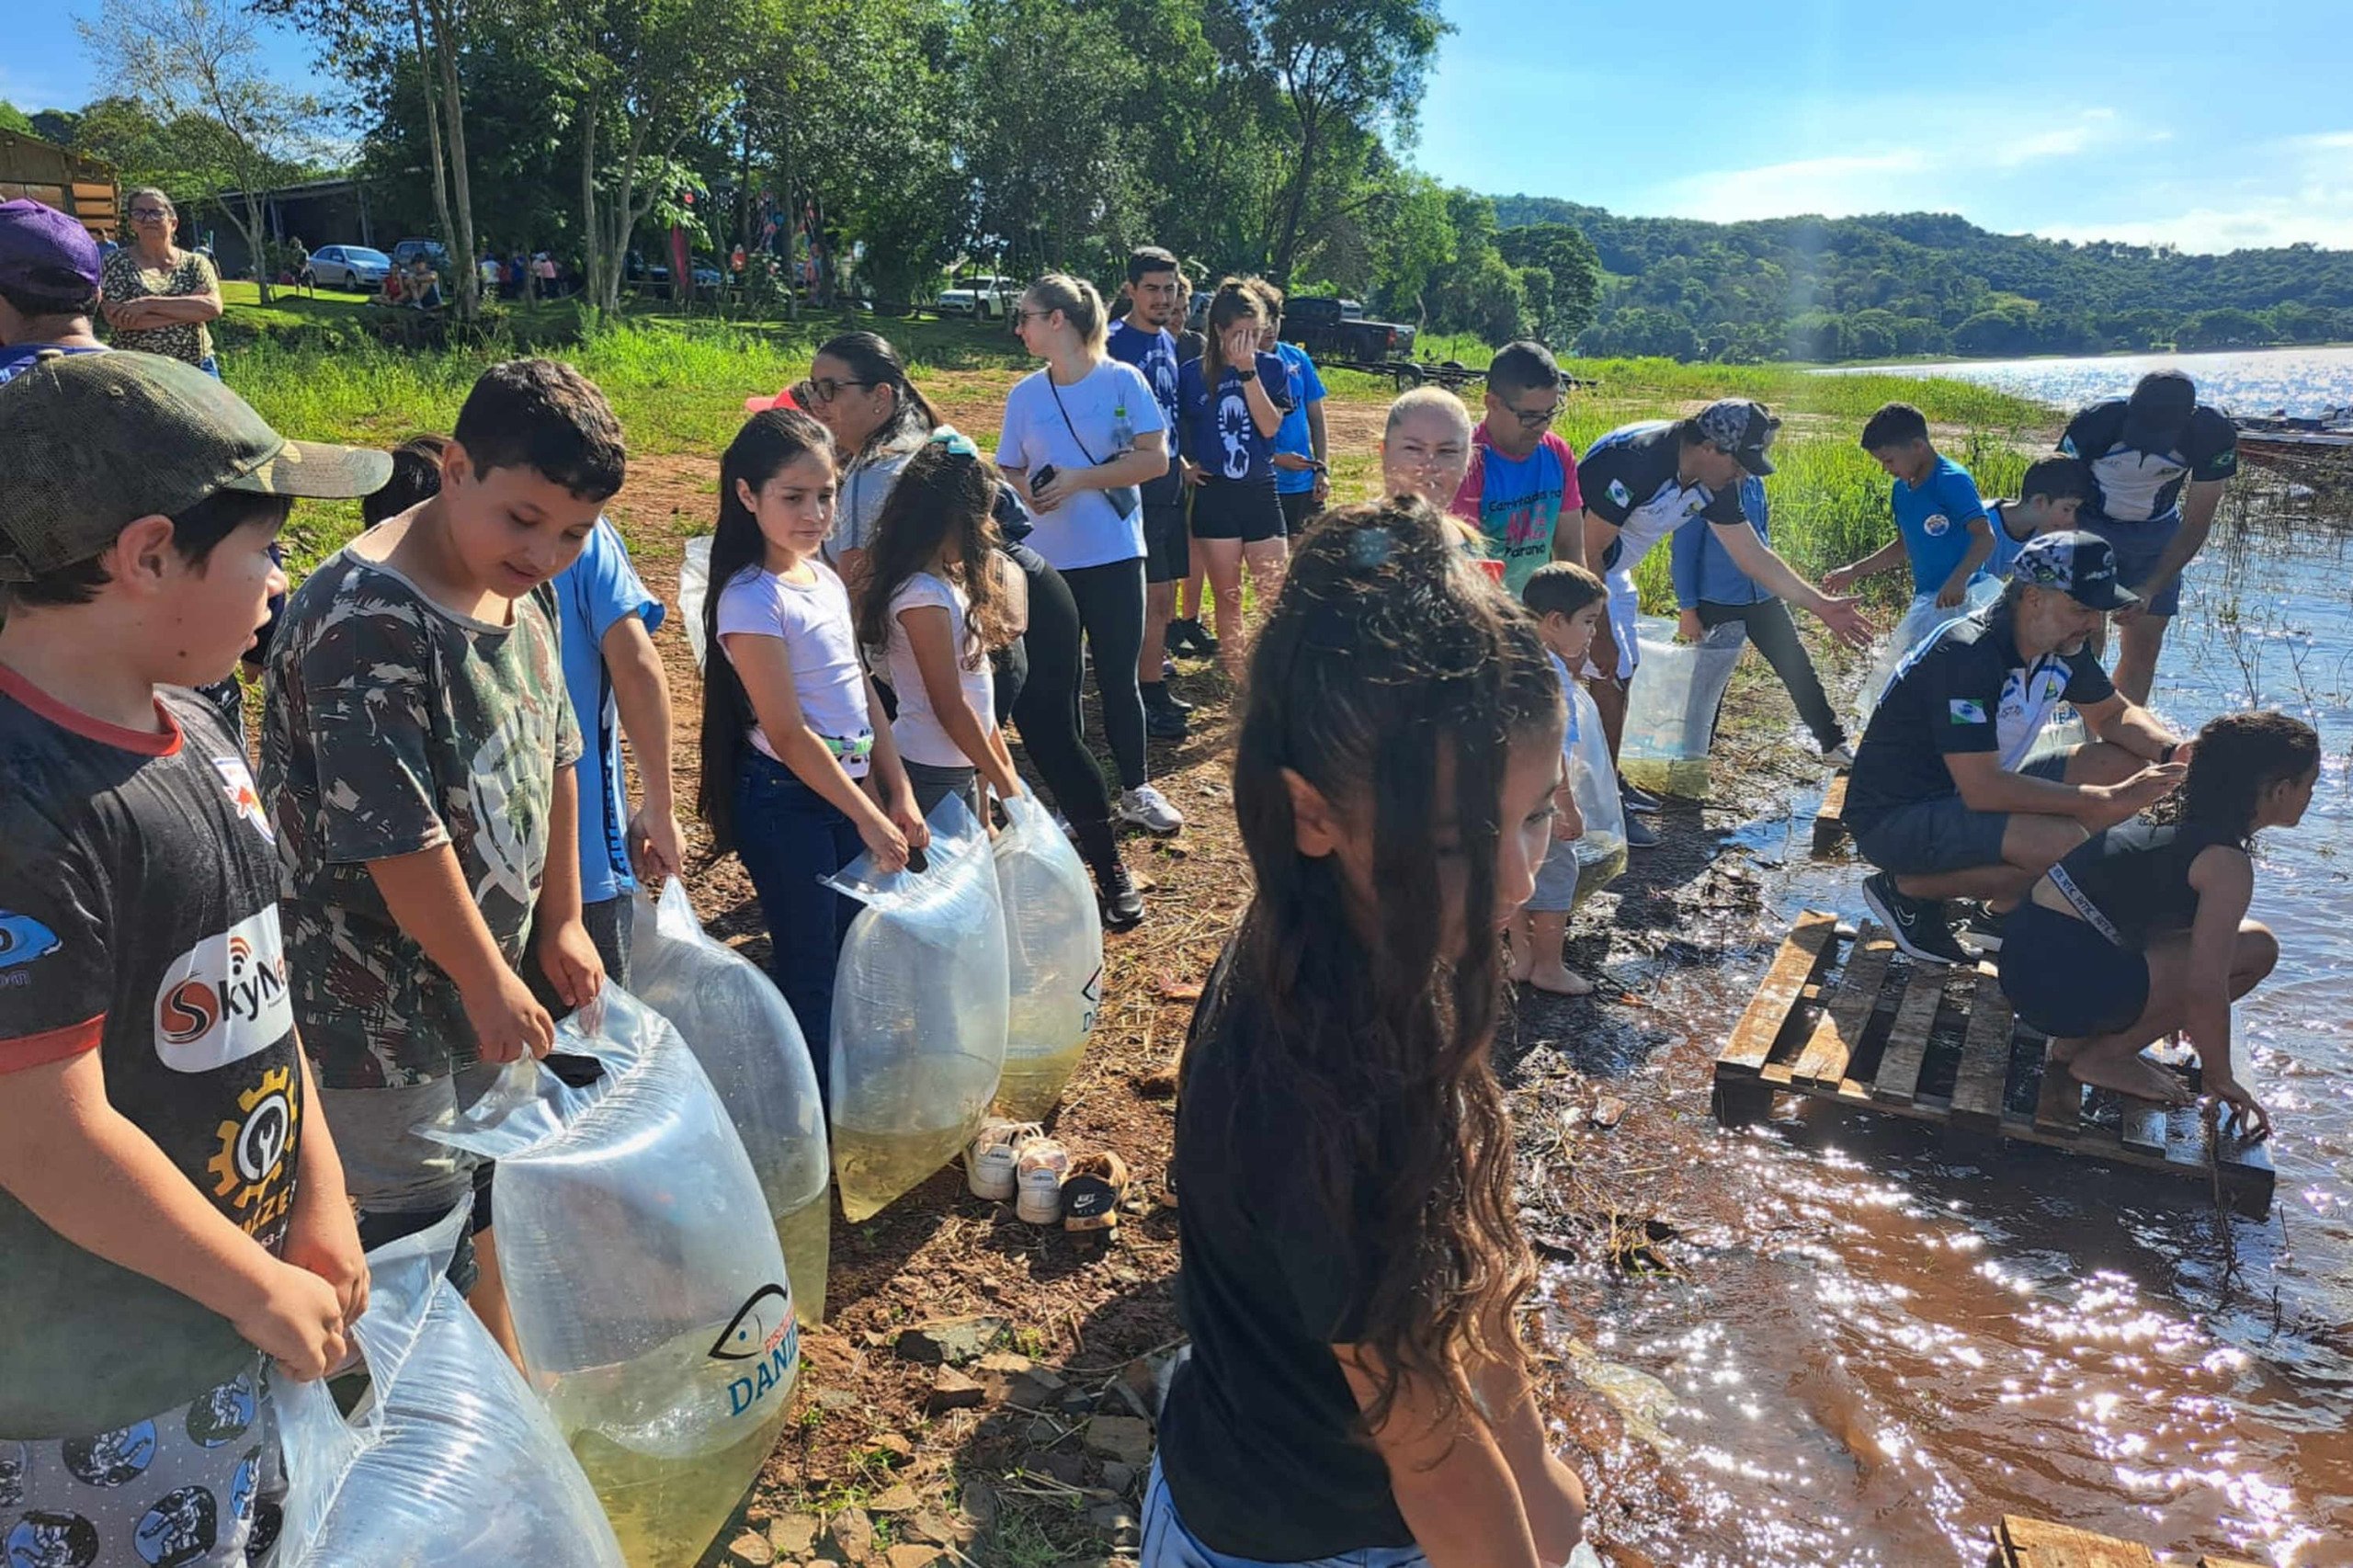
point(2225, 328)
point(16, 119)
point(1572, 277)
point(241, 131)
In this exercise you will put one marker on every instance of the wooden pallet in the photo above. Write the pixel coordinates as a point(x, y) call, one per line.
point(2034, 1543)
point(1830, 818)
point(1841, 1015)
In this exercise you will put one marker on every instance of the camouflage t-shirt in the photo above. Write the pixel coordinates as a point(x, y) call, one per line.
point(393, 725)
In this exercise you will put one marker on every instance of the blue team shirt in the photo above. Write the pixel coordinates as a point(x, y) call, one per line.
point(1306, 387)
point(1154, 354)
point(1218, 433)
point(1934, 522)
point(591, 596)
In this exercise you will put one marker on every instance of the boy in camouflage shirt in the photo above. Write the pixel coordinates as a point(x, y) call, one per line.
point(417, 754)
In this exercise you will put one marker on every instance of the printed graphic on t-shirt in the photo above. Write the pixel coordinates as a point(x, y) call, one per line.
point(224, 998)
point(238, 780)
point(2027, 698)
point(22, 940)
point(1936, 525)
point(1233, 431)
point(250, 1176)
point(513, 846)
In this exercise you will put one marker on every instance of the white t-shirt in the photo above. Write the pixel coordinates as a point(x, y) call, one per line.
point(814, 618)
point(1087, 530)
point(918, 731)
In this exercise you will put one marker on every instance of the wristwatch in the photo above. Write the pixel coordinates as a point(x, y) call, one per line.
point(1245, 376)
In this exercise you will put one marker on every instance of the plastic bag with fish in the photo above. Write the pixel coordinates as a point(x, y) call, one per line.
point(740, 1028)
point(1922, 619)
point(449, 1460)
point(920, 1006)
point(1593, 780)
point(1671, 706)
point(643, 1273)
point(1053, 936)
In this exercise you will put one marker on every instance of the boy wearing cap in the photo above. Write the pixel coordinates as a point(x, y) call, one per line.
point(1642, 482)
point(1944, 799)
point(48, 285)
point(1941, 524)
point(417, 751)
point(2142, 451)
point(172, 1207)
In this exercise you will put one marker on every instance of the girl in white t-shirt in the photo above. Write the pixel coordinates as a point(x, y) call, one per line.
point(935, 607)
point(796, 780)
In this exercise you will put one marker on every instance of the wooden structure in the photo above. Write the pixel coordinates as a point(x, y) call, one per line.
point(1841, 1015)
point(68, 181)
point(2033, 1543)
point(1830, 818)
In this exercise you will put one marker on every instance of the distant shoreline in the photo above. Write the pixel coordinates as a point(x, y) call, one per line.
point(1936, 361)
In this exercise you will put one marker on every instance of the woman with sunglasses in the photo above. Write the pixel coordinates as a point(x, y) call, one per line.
point(1080, 436)
point(857, 389)
point(156, 296)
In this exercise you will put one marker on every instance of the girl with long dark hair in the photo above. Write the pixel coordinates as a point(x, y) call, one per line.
point(1232, 400)
point(2142, 929)
point(858, 390)
point(939, 597)
point(796, 777)
point(1352, 1263)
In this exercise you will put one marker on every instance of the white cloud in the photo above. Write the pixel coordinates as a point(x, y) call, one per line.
point(2093, 127)
point(1833, 186)
point(2304, 194)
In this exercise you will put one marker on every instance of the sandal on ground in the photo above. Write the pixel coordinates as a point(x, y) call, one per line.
point(1093, 1191)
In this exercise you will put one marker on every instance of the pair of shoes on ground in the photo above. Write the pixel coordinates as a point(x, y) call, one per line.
point(1638, 804)
point(1016, 1160)
point(1148, 808)
point(1191, 638)
point(1923, 928)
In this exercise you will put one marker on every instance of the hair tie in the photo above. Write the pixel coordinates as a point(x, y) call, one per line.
point(959, 444)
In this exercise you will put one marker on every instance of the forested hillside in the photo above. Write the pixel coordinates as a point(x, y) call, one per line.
point(1929, 283)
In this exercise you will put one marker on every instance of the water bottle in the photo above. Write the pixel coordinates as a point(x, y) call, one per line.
point(1123, 431)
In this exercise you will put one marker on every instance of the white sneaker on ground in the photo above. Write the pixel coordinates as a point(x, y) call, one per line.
point(1147, 808)
point(992, 1161)
point(1840, 756)
point(1044, 1164)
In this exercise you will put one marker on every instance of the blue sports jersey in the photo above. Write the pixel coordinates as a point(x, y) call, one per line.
point(1306, 387)
point(1154, 354)
point(1218, 433)
point(1934, 522)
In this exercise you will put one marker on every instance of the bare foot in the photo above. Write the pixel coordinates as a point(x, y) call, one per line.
point(2134, 1076)
point(1560, 980)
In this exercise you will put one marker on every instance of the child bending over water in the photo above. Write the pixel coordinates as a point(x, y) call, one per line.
point(1356, 1388)
point(2141, 930)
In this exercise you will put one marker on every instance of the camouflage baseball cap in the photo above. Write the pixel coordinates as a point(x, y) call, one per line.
point(93, 442)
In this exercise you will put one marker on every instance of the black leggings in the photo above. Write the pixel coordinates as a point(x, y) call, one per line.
point(1042, 674)
point(1776, 637)
point(1110, 607)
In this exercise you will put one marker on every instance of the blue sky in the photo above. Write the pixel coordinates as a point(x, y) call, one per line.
point(2209, 124)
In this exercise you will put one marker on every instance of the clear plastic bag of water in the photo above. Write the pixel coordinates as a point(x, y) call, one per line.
point(451, 1460)
point(1921, 621)
point(647, 1287)
point(740, 1028)
point(694, 587)
point(1593, 780)
point(1053, 936)
point(1671, 706)
point(920, 1007)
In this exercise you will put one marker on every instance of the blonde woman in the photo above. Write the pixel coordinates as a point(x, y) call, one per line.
point(156, 296)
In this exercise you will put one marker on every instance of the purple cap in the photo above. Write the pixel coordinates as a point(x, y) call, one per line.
point(47, 252)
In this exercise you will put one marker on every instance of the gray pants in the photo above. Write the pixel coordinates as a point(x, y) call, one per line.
point(198, 1487)
point(933, 785)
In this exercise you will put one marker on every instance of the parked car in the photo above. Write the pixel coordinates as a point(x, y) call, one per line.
point(1338, 330)
point(433, 251)
point(982, 299)
point(354, 267)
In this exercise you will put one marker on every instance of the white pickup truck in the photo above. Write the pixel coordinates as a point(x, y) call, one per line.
point(982, 299)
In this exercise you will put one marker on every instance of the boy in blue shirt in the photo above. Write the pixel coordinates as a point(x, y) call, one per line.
point(2052, 492)
point(1941, 524)
point(1302, 480)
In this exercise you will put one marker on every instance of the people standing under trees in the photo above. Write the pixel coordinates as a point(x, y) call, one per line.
point(1190, 633)
point(157, 297)
point(1521, 492)
point(1302, 477)
point(1142, 338)
point(2142, 450)
point(1233, 400)
point(1080, 436)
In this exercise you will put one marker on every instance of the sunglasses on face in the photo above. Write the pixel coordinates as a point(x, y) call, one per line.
point(1023, 315)
point(825, 389)
point(1533, 418)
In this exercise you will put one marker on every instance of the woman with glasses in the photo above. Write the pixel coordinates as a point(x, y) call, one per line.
point(1081, 436)
point(156, 296)
point(858, 390)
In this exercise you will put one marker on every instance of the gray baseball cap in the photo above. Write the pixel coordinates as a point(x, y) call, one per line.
point(1743, 428)
point(2080, 566)
point(93, 442)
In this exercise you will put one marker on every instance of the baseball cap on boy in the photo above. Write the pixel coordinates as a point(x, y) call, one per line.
point(1740, 427)
point(48, 256)
point(2079, 565)
point(93, 442)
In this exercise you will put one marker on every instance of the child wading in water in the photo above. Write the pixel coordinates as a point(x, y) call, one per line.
point(796, 780)
point(940, 597)
point(1567, 601)
point(1351, 1266)
point(2143, 930)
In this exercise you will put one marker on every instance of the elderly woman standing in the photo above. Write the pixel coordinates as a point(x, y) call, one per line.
point(156, 296)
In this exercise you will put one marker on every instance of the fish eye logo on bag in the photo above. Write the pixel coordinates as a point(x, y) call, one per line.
point(761, 1331)
point(225, 997)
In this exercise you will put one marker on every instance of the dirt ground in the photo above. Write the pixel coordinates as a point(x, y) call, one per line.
point(1017, 1436)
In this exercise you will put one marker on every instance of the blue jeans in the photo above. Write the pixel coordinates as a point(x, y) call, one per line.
point(789, 838)
point(1168, 1544)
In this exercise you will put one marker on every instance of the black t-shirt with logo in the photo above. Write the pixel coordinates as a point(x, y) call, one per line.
point(1261, 1441)
point(2133, 486)
point(1966, 690)
point(138, 918)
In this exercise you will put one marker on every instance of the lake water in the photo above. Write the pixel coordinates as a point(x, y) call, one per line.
point(1877, 1343)
point(2298, 381)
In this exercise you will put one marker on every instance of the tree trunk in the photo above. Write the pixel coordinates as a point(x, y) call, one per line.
point(432, 125)
point(255, 237)
point(453, 110)
point(592, 247)
point(1285, 249)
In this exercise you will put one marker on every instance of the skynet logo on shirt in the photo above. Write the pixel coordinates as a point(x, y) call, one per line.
point(224, 998)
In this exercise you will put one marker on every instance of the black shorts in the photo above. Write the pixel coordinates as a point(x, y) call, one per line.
point(1300, 508)
point(1226, 508)
point(2066, 979)
point(1167, 542)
